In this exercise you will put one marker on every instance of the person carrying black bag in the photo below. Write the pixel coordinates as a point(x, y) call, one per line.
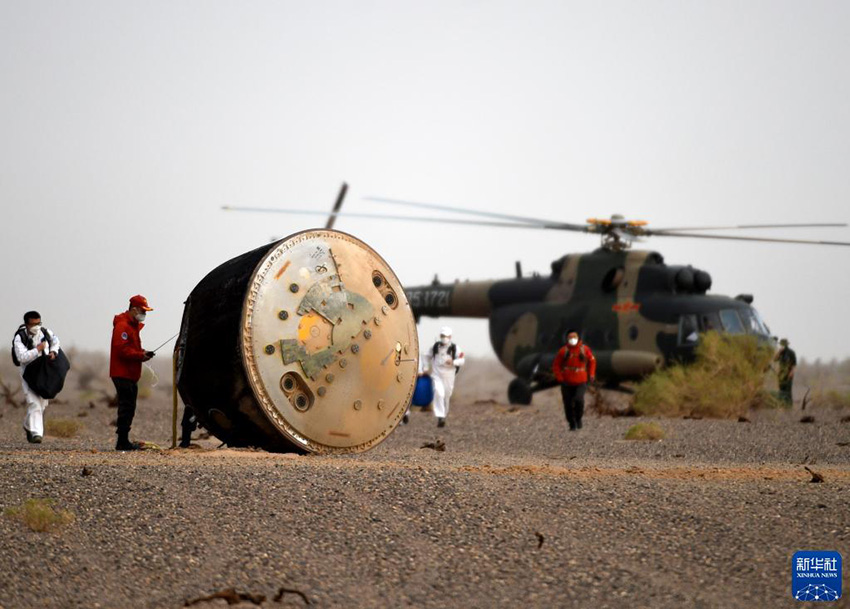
point(43, 367)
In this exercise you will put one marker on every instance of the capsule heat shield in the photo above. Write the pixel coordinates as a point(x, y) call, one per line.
point(307, 344)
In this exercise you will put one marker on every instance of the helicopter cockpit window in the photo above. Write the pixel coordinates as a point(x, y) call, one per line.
point(688, 330)
point(752, 322)
point(761, 323)
point(731, 322)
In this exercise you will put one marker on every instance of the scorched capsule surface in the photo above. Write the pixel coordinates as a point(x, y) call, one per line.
point(306, 344)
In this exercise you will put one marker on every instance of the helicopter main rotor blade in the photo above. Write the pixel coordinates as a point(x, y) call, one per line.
point(348, 214)
point(335, 211)
point(486, 214)
point(762, 239)
point(656, 231)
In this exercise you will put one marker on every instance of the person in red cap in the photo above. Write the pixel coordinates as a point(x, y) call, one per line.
point(125, 365)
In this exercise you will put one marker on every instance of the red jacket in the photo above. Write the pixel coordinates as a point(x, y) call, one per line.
point(570, 368)
point(126, 355)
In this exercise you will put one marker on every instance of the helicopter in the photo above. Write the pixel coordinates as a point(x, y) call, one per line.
point(636, 312)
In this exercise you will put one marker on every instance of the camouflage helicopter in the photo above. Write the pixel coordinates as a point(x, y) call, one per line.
point(635, 311)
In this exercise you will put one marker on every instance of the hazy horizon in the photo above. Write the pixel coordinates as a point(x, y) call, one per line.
point(127, 126)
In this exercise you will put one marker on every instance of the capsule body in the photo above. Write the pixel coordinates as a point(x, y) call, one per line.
point(306, 344)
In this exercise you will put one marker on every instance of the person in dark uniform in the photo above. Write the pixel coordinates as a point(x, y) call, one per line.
point(787, 361)
point(573, 367)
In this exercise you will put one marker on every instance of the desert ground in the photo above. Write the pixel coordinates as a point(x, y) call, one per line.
point(515, 512)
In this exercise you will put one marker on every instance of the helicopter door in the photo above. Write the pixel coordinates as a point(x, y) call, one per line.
point(709, 321)
point(688, 330)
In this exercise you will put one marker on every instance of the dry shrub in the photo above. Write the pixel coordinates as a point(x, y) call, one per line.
point(645, 431)
point(727, 379)
point(39, 515)
point(824, 376)
point(610, 404)
point(62, 428)
point(830, 398)
point(11, 394)
point(89, 370)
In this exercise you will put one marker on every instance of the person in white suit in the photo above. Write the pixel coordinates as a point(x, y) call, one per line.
point(444, 360)
point(32, 340)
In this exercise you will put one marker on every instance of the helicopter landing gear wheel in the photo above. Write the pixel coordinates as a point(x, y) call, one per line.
point(519, 392)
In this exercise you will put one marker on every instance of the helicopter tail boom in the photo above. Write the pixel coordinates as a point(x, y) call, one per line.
point(467, 299)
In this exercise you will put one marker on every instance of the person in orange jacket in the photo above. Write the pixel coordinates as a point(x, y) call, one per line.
point(573, 367)
point(125, 365)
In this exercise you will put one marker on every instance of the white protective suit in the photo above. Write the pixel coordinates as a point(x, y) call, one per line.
point(34, 421)
point(443, 372)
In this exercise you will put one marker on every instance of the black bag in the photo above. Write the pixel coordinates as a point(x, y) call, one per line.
point(46, 376)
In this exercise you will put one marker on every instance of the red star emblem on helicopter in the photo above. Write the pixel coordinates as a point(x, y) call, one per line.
point(626, 306)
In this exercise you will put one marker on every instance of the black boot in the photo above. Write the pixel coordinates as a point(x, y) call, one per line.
point(189, 424)
point(186, 438)
point(441, 422)
point(124, 443)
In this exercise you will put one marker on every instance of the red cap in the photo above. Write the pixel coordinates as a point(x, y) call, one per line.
point(140, 301)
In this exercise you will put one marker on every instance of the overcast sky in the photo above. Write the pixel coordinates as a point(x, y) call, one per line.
point(125, 126)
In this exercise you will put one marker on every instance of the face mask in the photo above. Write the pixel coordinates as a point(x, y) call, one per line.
point(34, 330)
point(140, 317)
point(445, 340)
point(572, 342)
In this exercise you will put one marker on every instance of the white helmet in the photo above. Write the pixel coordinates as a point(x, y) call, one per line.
point(446, 331)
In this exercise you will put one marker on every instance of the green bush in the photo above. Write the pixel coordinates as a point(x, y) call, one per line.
point(645, 431)
point(727, 379)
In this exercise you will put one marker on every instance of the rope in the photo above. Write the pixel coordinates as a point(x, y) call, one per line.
point(174, 400)
point(166, 342)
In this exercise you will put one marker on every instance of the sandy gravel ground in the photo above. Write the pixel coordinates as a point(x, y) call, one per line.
point(516, 512)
